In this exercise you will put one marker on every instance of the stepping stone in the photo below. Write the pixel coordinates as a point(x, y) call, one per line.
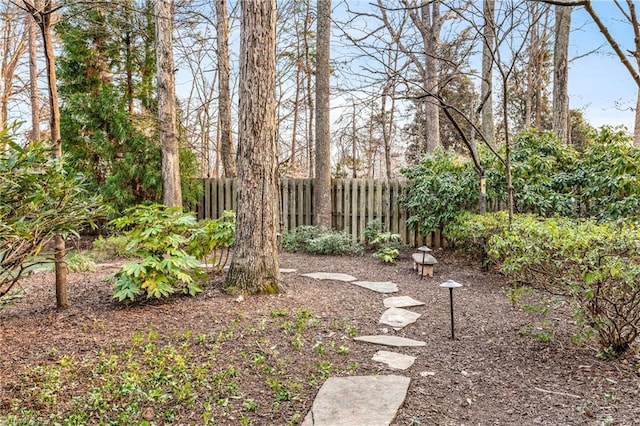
point(394, 360)
point(398, 317)
point(401, 302)
point(287, 270)
point(380, 287)
point(358, 400)
point(390, 341)
point(330, 276)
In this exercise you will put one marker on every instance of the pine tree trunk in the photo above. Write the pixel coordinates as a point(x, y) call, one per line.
point(167, 116)
point(561, 123)
point(322, 187)
point(254, 267)
point(227, 150)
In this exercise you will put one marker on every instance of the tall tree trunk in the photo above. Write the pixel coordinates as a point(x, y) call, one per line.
point(33, 79)
point(167, 116)
point(42, 15)
point(254, 266)
point(486, 88)
point(309, 71)
point(429, 25)
point(322, 187)
point(561, 123)
point(224, 101)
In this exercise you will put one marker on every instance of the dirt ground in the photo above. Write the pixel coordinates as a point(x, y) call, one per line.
point(500, 370)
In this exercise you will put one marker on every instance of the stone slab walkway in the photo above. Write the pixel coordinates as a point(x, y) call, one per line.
point(379, 287)
point(330, 276)
point(396, 341)
point(369, 400)
point(358, 401)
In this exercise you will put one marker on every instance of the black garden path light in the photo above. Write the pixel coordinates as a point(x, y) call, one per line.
point(451, 284)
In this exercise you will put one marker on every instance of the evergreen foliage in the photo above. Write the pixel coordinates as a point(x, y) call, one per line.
point(596, 264)
point(549, 179)
point(106, 69)
point(38, 200)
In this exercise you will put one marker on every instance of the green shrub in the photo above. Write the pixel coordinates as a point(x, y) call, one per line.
point(386, 244)
point(597, 265)
point(38, 200)
point(319, 240)
point(158, 235)
point(297, 239)
point(111, 247)
point(387, 254)
point(440, 187)
point(214, 236)
point(333, 242)
point(469, 232)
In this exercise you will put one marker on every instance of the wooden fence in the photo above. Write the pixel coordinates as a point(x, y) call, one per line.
point(355, 202)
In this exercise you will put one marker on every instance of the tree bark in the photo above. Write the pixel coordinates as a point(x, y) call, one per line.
point(167, 115)
point(486, 88)
point(431, 35)
point(254, 266)
point(227, 150)
point(322, 187)
point(561, 123)
point(33, 79)
point(309, 71)
point(43, 16)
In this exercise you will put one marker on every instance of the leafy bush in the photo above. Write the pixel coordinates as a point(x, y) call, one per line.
point(169, 244)
point(549, 179)
point(319, 240)
point(214, 236)
point(111, 247)
point(158, 235)
point(387, 254)
point(441, 185)
point(596, 264)
point(386, 244)
point(333, 242)
point(297, 239)
point(38, 200)
point(469, 232)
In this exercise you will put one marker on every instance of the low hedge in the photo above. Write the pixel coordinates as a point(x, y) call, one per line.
point(595, 264)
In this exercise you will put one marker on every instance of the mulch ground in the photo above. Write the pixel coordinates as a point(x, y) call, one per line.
point(499, 370)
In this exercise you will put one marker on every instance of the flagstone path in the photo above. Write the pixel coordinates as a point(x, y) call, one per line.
point(369, 400)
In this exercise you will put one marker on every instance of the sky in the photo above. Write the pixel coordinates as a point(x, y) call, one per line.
point(598, 83)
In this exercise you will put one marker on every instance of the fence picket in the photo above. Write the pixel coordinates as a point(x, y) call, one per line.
point(355, 202)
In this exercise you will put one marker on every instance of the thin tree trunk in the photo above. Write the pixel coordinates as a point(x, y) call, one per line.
point(561, 124)
point(42, 15)
point(486, 88)
point(429, 25)
point(33, 79)
point(254, 266)
point(322, 183)
point(224, 101)
point(310, 103)
point(167, 115)
point(354, 139)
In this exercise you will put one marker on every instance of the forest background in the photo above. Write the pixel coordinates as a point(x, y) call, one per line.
point(389, 62)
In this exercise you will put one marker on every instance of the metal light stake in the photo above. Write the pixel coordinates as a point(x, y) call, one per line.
point(450, 284)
